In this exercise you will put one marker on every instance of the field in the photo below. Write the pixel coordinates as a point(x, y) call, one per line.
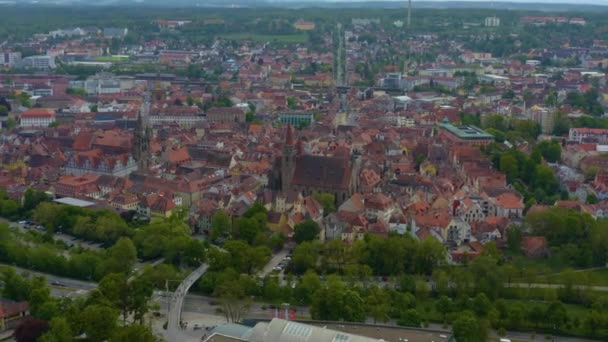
point(597, 277)
point(291, 38)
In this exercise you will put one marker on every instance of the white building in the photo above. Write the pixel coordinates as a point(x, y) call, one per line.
point(10, 58)
point(37, 117)
point(41, 62)
point(492, 21)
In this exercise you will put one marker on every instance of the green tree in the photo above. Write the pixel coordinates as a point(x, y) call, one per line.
point(306, 287)
point(335, 301)
point(481, 305)
point(305, 256)
point(99, 322)
point(133, 333)
point(292, 102)
point(410, 318)
point(443, 305)
point(591, 199)
point(327, 201)
point(307, 230)
point(60, 331)
point(536, 315)
point(15, 287)
point(220, 225)
point(10, 123)
point(556, 316)
point(122, 256)
point(467, 328)
point(593, 321)
point(377, 304)
point(509, 166)
point(429, 255)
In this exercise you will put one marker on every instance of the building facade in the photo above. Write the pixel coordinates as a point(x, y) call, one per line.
point(37, 118)
point(296, 119)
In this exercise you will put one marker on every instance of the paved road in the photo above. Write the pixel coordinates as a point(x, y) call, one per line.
point(67, 239)
point(175, 311)
point(274, 262)
point(557, 286)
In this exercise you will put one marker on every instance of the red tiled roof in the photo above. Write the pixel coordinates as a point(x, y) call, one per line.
point(37, 113)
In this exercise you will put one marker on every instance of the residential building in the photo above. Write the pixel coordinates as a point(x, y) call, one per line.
point(492, 21)
point(599, 135)
point(37, 117)
point(113, 32)
point(96, 162)
point(225, 114)
point(12, 313)
point(304, 25)
point(10, 58)
point(78, 186)
point(99, 84)
point(40, 62)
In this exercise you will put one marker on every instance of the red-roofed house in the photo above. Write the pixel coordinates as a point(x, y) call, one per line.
point(37, 117)
point(535, 246)
point(12, 313)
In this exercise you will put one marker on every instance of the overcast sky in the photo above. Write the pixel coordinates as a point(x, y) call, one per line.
point(596, 2)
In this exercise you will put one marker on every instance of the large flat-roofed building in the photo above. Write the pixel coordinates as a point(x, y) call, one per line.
point(464, 135)
point(296, 119)
point(279, 330)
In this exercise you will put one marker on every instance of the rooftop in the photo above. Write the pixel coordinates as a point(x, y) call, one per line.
point(466, 132)
point(74, 202)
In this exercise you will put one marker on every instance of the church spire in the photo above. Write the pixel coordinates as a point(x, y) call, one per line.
point(143, 134)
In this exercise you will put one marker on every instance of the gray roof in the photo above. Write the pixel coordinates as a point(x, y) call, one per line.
point(289, 331)
point(232, 330)
point(74, 202)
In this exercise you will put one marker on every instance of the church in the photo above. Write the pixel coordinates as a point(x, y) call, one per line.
point(309, 174)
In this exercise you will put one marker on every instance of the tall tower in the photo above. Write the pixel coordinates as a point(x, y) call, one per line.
point(288, 161)
point(143, 134)
point(409, 13)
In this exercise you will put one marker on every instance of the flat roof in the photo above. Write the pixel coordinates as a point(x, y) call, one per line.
point(390, 334)
point(466, 132)
point(74, 202)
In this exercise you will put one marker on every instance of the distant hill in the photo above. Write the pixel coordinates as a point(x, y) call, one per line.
point(538, 5)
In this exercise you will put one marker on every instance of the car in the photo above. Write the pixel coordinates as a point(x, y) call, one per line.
point(288, 258)
point(21, 222)
point(57, 283)
point(197, 327)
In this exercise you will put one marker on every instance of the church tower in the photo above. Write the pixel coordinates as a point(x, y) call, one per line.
point(143, 134)
point(288, 161)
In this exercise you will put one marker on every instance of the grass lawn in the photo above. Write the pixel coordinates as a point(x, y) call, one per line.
point(587, 277)
point(111, 59)
point(290, 38)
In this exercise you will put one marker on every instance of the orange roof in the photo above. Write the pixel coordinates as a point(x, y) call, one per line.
point(38, 112)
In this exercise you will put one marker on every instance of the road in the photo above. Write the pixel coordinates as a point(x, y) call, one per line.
point(175, 311)
point(67, 239)
point(274, 262)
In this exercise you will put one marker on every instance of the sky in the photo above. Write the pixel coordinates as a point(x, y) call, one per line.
point(595, 2)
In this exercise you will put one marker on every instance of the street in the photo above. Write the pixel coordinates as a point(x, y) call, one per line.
point(274, 262)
